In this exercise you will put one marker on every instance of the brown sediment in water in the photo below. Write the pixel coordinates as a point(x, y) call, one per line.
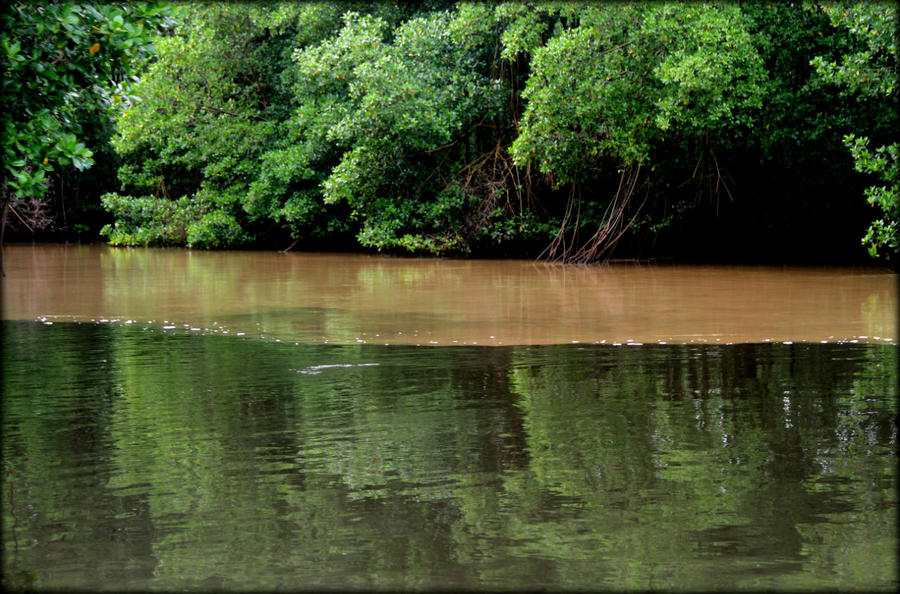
point(340, 298)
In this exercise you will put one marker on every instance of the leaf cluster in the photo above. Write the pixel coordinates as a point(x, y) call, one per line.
point(59, 60)
point(456, 127)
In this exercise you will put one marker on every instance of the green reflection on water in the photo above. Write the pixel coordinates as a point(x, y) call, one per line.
point(717, 467)
point(136, 459)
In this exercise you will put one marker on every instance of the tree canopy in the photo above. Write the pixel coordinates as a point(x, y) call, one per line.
point(574, 130)
point(64, 65)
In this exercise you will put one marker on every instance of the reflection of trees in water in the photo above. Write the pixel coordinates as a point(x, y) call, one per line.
point(58, 393)
point(723, 450)
point(634, 466)
point(879, 315)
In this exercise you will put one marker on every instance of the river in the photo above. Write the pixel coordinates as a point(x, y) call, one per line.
point(326, 298)
point(260, 421)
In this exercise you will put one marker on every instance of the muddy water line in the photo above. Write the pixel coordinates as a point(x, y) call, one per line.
point(340, 298)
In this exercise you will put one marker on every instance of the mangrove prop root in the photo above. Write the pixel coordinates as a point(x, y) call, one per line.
point(565, 246)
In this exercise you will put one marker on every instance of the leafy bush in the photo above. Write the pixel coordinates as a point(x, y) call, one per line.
point(451, 128)
point(215, 229)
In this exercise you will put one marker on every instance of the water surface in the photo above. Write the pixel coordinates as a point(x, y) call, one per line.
point(178, 420)
point(339, 298)
point(140, 459)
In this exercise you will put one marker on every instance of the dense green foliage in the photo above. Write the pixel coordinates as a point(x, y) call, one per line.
point(64, 64)
point(871, 74)
point(511, 127)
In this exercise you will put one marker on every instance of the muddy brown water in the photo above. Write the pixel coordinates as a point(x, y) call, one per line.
point(145, 448)
point(339, 298)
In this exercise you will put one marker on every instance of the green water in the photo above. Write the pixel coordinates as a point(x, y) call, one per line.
point(135, 458)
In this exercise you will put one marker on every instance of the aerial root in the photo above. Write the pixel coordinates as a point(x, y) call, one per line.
point(565, 247)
